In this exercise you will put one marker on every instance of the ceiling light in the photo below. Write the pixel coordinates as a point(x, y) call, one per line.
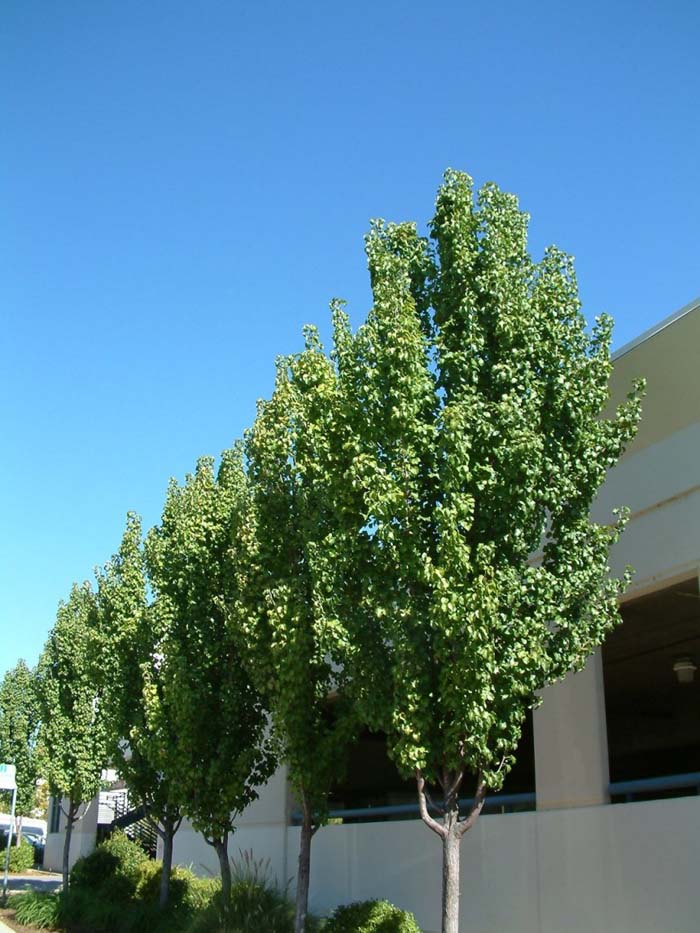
point(684, 669)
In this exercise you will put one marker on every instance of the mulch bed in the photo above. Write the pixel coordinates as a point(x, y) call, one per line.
point(8, 918)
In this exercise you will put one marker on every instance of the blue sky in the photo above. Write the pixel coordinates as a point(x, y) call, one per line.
point(184, 185)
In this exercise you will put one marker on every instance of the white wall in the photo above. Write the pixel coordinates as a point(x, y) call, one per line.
point(660, 484)
point(626, 868)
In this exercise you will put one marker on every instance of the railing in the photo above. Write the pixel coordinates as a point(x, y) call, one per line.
point(131, 820)
point(631, 790)
point(514, 803)
point(498, 803)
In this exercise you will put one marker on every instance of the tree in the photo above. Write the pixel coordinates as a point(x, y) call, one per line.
point(287, 607)
point(473, 401)
point(19, 724)
point(72, 730)
point(141, 741)
point(218, 716)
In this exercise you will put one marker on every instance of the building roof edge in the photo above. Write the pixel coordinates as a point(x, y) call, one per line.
point(656, 328)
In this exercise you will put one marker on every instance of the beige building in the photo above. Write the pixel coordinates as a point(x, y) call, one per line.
point(599, 828)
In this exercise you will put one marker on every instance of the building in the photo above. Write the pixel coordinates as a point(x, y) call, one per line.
point(604, 837)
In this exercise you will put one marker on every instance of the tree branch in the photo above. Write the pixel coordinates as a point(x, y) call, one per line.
point(476, 808)
point(454, 787)
point(431, 803)
point(425, 816)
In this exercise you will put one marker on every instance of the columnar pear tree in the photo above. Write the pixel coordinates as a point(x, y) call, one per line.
point(142, 742)
point(72, 733)
point(19, 725)
point(288, 611)
point(222, 751)
point(473, 401)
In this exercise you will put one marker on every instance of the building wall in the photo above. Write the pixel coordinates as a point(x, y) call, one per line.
point(627, 868)
point(82, 839)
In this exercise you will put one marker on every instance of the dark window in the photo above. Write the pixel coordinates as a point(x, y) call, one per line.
point(55, 817)
point(652, 692)
point(372, 781)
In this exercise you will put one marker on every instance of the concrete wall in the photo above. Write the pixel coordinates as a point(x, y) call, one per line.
point(660, 484)
point(627, 868)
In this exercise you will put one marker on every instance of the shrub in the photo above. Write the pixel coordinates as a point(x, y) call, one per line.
point(371, 917)
point(186, 889)
point(36, 909)
point(112, 869)
point(21, 856)
point(257, 904)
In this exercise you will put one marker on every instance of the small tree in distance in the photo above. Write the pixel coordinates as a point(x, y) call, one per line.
point(72, 733)
point(141, 741)
point(19, 725)
point(472, 404)
point(222, 753)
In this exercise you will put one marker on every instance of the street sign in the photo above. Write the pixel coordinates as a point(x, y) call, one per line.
point(7, 777)
point(8, 782)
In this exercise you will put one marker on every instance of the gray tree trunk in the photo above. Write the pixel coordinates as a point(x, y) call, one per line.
point(450, 876)
point(450, 830)
point(70, 820)
point(167, 834)
point(304, 867)
point(221, 847)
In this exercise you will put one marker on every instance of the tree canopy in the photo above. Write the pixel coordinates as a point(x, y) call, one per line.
point(289, 607)
point(474, 398)
point(142, 740)
point(72, 730)
point(19, 725)
point(222, 752)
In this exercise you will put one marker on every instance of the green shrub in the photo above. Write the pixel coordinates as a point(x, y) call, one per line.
point(112, 869)
point(371, 917)
point(257, 904)
point(186, 889)
point(36, 909)
point(21, 856)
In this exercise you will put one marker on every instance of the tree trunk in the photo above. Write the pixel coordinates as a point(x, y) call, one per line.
point(450, 878)
point(221, 846)
point(450, 830)
point(18, 833)
point(167, 836)
point(70, 819)
point(304, 867)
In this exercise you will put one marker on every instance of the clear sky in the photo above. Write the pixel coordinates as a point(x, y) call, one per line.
point(185, 184)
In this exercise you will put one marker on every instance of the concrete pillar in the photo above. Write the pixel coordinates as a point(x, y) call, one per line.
point(571, 741)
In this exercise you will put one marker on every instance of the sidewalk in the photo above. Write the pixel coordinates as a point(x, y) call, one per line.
point(36, 880)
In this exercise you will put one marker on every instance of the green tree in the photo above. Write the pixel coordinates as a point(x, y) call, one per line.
point(142, 744)
point(72, 732)
point(473, 401)
point(288, 603)
point(218, 716)
point(19, 725)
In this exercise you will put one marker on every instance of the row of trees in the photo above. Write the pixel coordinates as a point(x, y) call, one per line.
point(365, 556)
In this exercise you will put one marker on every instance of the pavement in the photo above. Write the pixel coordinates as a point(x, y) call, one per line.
point(36, 880)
